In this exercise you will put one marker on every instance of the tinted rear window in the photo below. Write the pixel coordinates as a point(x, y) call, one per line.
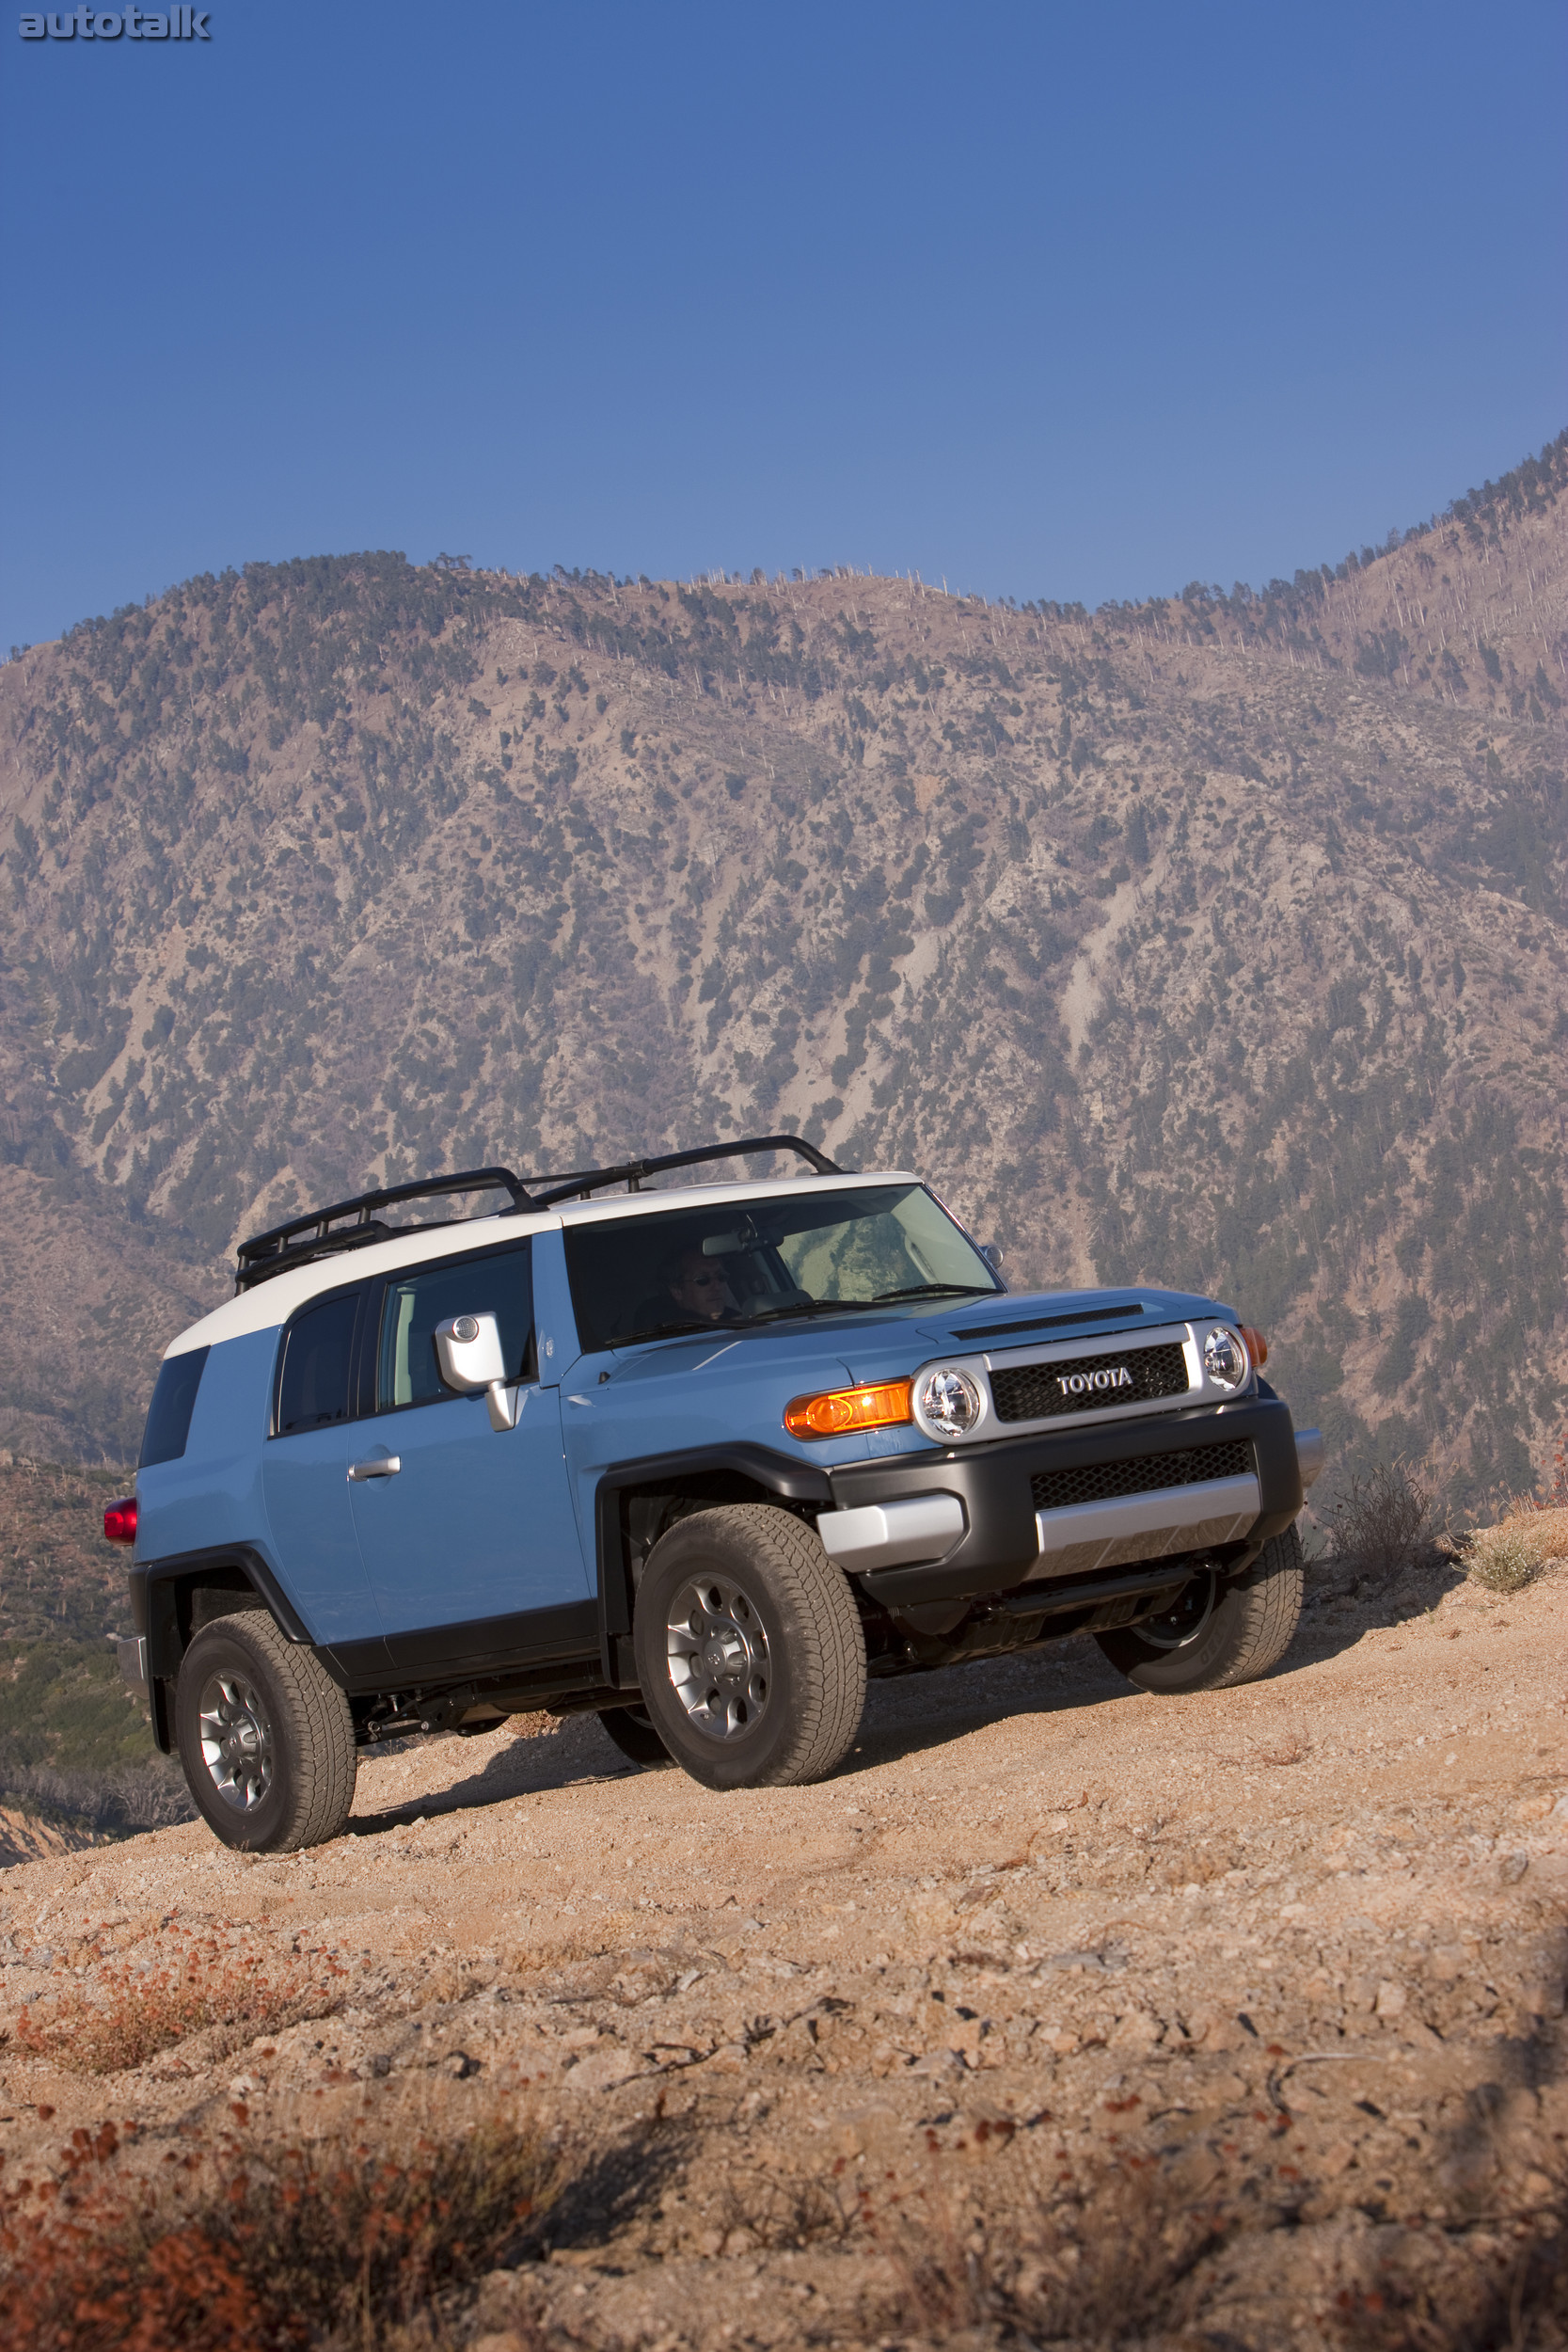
point(318, 1361)
point(169, 1416)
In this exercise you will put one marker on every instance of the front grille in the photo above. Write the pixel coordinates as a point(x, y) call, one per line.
point(1145, 1473)
point(1035, 1391)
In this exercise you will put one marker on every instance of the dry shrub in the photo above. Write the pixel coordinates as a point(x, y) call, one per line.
point(1492, 2300)
point(1291, 1746)
point(1383, 1523)
point(1546, 1524)
point(778, 2211)
point(128, 2015)
point(272, 2249)
point(1064, 2273)
point(1505, 1559)
point(1136, 2254)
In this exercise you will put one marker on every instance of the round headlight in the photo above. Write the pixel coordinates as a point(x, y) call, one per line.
point(1225, 1359)
point(949, 1401)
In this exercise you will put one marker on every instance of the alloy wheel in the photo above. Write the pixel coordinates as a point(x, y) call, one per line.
point(718, 1652)
point(236, 1740)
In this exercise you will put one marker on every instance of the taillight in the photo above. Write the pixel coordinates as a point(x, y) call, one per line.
point(1257, 1347)
point(881, 1406)
point(119, 1519)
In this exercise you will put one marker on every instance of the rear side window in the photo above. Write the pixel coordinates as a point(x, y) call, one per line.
point(169, 1416)
point(313, 1387)
point(412, 1305)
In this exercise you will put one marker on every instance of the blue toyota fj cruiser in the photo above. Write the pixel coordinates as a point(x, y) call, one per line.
point(699, 1458)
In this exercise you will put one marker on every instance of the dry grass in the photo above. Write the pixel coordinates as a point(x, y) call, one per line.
point(1065, 2272)
point(1289, 1746)
point(128, 2015)
point(1546, 1523)
point(275, 2249)
point(1131, 2253)
point(783, 2211)
point(1002, 2238)
point(1503, 1559)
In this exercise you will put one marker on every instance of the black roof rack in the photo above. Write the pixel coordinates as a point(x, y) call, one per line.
point(544, 1191)
point(324, 1233)
point(304, 1238)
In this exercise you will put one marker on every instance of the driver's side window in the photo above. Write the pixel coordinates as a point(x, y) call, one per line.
point(413, 1304)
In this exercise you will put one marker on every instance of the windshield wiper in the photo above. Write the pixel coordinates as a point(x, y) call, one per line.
point(934, 1290)
point(669, 1332)
point(860, 1306)
point(806, 1307)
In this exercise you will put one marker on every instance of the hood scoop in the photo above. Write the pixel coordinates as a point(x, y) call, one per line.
point(968, 1331)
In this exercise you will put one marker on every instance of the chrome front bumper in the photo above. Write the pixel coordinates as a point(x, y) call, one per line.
point(891, 1534)
point(1116, 1533)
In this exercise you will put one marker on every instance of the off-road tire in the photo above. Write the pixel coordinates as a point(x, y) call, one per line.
point(816, 1650)
point(632, 1730)
point(1249, 1629)
point(314, 1763)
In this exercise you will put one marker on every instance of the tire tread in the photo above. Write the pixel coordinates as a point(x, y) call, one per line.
point(1258, 1614)
point(317, 1733)
point(828, 1648)
point(1274, 1590)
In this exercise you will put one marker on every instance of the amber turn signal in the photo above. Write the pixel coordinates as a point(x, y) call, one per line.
point(1256, 1345)
point(840, 1410)
point(119, 1519)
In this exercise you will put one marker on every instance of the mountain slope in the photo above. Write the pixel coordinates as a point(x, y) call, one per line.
point(1220, 939)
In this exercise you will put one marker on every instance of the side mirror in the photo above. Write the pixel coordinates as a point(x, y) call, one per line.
point(991, 1255)
point(469, 1350)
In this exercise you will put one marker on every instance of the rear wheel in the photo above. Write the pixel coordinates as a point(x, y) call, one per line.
point(1216, 1634)
point(633, 1731)
point(750, 1653)
point(265, 1737)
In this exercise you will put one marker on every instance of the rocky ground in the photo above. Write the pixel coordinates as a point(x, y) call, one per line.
point(1063, 2011)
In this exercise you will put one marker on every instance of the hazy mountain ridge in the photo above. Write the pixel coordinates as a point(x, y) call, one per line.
point(1207, 939)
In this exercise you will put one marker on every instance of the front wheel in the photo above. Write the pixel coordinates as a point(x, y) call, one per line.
point(750, 1654)
point(264, 1736)
point(1217, 1634)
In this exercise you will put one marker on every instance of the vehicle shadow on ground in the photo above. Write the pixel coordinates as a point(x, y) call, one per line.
point(903, 1718)
point(570, 1752)
point(913, 1715)
point(1346, 1600)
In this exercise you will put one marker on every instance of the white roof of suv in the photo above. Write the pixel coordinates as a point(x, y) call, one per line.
point(267, 1304)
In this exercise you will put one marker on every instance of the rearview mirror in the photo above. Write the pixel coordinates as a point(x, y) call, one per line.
point(723, 1245)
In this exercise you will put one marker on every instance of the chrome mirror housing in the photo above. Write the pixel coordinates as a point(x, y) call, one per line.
point(469, 1350)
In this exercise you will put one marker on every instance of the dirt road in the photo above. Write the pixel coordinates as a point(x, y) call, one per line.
point(1063, 2008)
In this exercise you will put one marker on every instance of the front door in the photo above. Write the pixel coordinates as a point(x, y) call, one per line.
point(305, 1469)
point(471, 1543)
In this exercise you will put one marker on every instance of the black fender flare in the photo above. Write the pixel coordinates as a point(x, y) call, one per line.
point(782, 1474)
point(158, 1587)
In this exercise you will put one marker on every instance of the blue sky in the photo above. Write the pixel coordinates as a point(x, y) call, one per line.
point(1047, 300)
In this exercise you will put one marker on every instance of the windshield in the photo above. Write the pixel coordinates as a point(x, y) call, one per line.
point(691, 1269)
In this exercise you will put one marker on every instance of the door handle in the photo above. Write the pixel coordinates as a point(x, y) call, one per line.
point(382, 1465)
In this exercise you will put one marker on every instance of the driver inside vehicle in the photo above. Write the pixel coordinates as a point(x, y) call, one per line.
point(695, 1286)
